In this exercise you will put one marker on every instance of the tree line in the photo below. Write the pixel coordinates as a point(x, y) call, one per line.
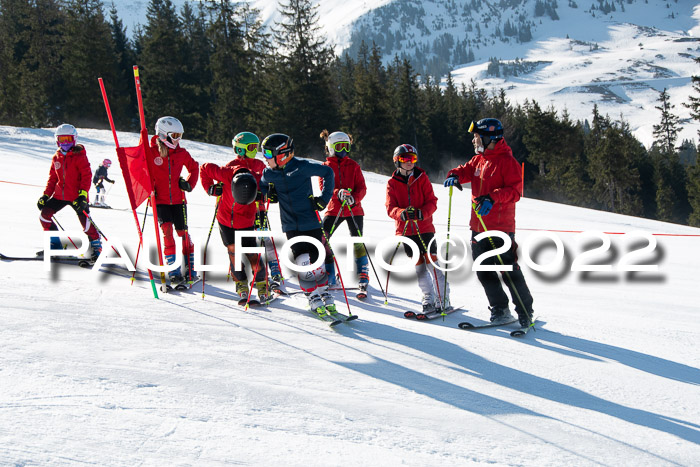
point(217, 69)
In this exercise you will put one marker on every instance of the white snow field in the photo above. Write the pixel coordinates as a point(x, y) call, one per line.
point(96, 371)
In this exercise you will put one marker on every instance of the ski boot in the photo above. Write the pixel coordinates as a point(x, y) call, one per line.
point(500, 314)
point(428, 303)
point(190, 272)
point(242, 289)
point(524, 320)
point(316, 303)
point(174, 275)
point(330, 273)
point(55, 244)
point(96, 246)
point(329, 302)
point(263, 292)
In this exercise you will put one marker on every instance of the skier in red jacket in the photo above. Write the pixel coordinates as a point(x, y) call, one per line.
point(246, 146)
point(411, 202)
point(496, 187)
point(165, 161)
point(69, 183)
point(237, 212)
point(349, 188)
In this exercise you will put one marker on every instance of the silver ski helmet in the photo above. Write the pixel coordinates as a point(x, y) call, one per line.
point(338, 144)
point(66, 136)
point(169, 131)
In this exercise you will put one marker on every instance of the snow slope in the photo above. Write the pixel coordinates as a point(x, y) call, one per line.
point(95, 370)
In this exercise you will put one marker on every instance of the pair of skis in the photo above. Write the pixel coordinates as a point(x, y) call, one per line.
point(420, 316)
point(522, 331)
point(82, 262)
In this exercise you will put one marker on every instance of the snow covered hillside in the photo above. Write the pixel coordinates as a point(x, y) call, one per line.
point(95, 370)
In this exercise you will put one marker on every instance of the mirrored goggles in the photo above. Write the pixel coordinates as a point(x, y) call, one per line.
point(65, 139)
point(341, 146)
point(175, 136)
point(250, 147)
point(269, 153)
point(407, 157)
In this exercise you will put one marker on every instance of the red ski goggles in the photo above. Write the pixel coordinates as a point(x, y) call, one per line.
point(65, 139)
point(175, 136)
point(407, 157)
point(341, 146)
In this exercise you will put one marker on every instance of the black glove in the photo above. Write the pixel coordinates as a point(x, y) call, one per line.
point(411, 213)
point(484, 204)
point(42, 201)
point(185, 185)
point(272, 194)
point(259, 197)
point(216, 189)
point(317, 203)
point(80, 204)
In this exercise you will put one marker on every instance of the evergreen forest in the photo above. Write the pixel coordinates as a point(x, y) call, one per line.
point(216, 68)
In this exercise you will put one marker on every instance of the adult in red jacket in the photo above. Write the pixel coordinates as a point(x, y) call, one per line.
point(69, 183)
point(496, 187)
point(237, 212)
point(411, 202)
point(346, 202)
point(166, 160)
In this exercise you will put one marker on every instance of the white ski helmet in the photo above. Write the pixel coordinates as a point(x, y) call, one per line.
point(338, 137)
point(169, 130)
point(66, 136)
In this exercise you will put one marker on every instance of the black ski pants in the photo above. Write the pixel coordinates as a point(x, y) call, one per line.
point(514, 280)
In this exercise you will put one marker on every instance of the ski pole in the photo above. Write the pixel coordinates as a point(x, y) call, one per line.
point(99, 231)
point(53, 218)
point(352, 216)
point(255, 271)
point(204, 260)
point(340, 276)
point(425, 247)
point(447, 247)
point(138, 250)
point(505, 273)
point(272, 238)
point(391, 260)
point(337, 219)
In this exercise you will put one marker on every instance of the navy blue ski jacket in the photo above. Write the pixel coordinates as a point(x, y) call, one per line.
point(293, 186)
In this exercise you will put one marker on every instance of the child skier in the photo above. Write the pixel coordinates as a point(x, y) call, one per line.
point(237, 212)
point(411, 202)
point(496, 187)
point(68, 184)
point(348, 193)
point(165, 161)
point(98, 180)
point(245, 145)
point(287, 180)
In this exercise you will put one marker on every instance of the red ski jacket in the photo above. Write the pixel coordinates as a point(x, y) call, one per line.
point(165, 173)
point(256, 166)
point(414, 190)
point(69, 174)
point(495, 173)
point(348, 175)
point(236, 216)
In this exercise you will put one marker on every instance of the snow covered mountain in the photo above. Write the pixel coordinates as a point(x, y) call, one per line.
point(619, 54)
point(94, 370)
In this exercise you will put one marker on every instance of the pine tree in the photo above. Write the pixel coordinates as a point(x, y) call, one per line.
point(196, 73)
point(369, 115)
point(13, 46)
point(304, 84)
point(694, 171)
point(88, 54)
point(162, 63)
point(39, 92)
point(670, 177)
point(122, 97)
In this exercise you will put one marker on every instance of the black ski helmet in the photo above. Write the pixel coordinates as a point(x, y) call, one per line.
point(279, 147)
point(489, 129)
point(244, 187)
point(404, 150)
